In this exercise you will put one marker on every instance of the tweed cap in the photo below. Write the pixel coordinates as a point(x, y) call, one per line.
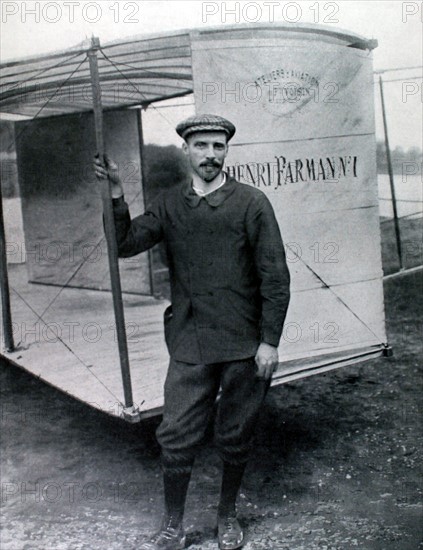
point(205, 123)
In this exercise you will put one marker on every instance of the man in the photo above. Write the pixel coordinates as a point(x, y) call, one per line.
point(229, 293)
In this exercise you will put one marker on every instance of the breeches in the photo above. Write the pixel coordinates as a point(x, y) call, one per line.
point(190, 395)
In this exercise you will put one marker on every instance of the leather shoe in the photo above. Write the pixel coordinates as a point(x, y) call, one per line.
point(229, 532)
point(168, 538)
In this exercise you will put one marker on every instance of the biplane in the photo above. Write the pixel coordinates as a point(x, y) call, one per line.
point(301, 97)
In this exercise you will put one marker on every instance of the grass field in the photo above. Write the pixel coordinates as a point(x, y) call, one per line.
point(411, 233)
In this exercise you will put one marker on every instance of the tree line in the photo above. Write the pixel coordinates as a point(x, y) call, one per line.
point(399, 156)
point(165, 166)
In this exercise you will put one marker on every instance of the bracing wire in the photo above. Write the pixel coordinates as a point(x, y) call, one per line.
point(404, 79)
point(46, 103)
point(333, 292)
point(381, 71)
point(134, 86)
point(42, 71)
point(400, 200)
point(402, 217)
point(40, 317)
point(146, 71)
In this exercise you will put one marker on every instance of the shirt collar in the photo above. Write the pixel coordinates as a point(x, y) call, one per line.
point(202, 193)
point(215, 198)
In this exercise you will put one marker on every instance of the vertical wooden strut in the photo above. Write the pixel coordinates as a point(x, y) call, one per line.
point(4, 286)
point(391, 176)
point(109, 227)
point(144, 195)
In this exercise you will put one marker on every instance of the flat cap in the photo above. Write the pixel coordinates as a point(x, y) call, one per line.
point(205, 123)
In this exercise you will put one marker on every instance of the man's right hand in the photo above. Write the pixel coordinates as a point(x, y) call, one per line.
point(108, 169)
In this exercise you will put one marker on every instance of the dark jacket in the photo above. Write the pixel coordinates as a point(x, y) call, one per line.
point(227, 267)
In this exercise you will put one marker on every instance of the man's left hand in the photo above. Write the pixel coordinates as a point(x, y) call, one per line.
point(267, 360)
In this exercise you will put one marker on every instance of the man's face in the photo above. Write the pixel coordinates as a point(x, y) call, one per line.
point(206, 152)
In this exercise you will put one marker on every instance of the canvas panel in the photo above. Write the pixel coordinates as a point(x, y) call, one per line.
point(61, 202)
point(324, 193)
point(284, 88)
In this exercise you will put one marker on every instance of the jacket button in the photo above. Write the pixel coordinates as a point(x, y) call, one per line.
point(210, 293)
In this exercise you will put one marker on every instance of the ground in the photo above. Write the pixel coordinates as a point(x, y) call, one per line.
point(337, 461)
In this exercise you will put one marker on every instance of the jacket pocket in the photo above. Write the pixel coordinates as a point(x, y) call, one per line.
point(167, 321)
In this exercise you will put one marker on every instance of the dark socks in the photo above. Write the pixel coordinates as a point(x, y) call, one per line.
point(231, 483)
point(176, 487)
point(175, 492)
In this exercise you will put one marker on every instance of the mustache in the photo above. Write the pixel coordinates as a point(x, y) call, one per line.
point(215, 163)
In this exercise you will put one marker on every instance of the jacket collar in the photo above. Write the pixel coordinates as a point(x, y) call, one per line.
point(215, 198)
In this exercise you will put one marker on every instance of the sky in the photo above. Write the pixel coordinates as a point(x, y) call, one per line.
point(30, 28)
